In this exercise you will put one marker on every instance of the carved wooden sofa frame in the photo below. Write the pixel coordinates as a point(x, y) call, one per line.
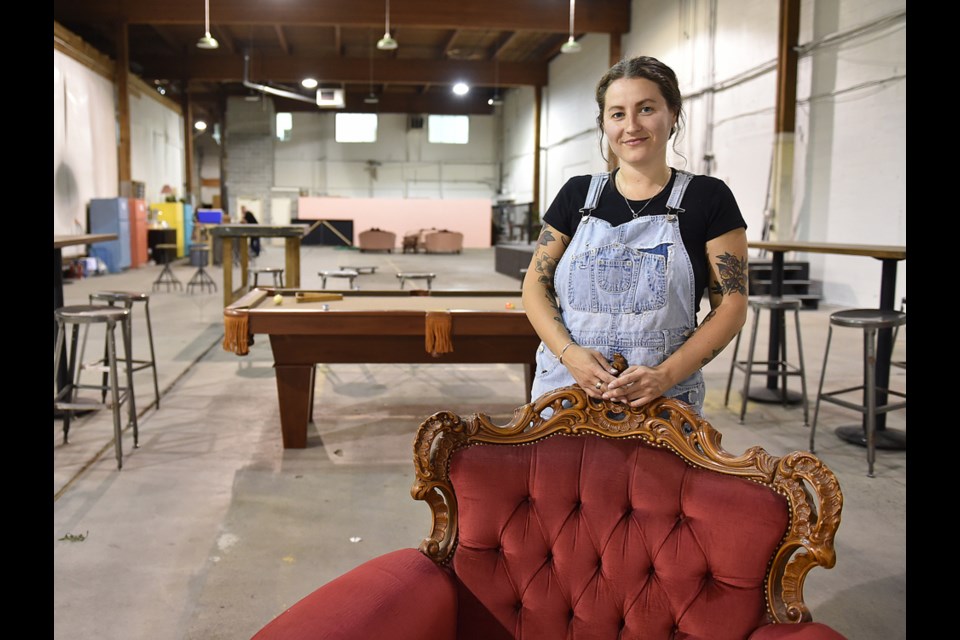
point(801, 482)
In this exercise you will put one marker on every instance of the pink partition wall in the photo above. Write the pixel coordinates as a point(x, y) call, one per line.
point(470, 217)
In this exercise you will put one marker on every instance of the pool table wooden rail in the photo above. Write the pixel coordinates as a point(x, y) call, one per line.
point(366, 328)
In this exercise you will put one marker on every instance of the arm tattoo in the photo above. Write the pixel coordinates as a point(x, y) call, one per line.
point(733, 274)
point(546, 266)
point(713, 355)
point(546, 237)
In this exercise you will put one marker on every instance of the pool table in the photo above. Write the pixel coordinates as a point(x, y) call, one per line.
point(412, 326)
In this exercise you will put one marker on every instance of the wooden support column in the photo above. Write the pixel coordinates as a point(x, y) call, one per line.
point(188, 160)
point(121, 73)
point(535, 206)
point(781, 223)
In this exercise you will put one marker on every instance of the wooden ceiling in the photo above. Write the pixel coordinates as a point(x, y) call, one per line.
point(490, 44)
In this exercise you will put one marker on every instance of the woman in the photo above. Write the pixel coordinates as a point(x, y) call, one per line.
point(624, 258)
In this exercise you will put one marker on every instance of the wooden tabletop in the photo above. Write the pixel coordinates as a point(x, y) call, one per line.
point(83, 238)
point(884, 252)
point(257, 230)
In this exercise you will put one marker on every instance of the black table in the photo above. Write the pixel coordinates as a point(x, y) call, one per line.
point(889, 257)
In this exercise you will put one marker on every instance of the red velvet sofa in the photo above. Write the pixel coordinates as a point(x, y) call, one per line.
point(582, 519)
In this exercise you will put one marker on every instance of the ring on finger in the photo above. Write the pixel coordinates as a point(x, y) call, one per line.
point(598, 385)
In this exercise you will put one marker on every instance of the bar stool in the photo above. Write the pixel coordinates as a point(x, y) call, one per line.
point(870, 321)
point(276, 272)
point(403, 277)
point(201, 278)
point(350, 274)
point(166, 277)
point(127, 299)
point(68, 399)
point(781, 367)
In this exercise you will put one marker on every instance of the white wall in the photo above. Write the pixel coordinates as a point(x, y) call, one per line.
point(84, 144)
point(401, 164)
point(850, 144)
point(85, 155)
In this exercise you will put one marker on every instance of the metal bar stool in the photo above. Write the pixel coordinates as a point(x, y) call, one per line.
point(276, 272)
point(166, 277)
point(781, 368)
point(201, 278)
point(68, 399)
point(350, 274)
point(870, 321)
point(403, 277)
point(127, 299)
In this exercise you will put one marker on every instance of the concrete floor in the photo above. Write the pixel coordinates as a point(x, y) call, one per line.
point(212, 528)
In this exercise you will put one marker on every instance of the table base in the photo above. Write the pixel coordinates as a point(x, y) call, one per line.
point(767, 395)
point(892, 439)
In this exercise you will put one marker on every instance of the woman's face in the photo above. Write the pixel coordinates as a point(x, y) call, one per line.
point(637, 121)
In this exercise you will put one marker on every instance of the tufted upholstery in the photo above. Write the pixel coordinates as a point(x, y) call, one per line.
point(601, 535)
point(651, 531)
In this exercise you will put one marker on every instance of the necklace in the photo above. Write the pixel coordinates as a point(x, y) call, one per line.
point(636, 214)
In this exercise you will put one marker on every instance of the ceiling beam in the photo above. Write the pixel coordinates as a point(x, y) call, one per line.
point(597, 16)
point(396, 71)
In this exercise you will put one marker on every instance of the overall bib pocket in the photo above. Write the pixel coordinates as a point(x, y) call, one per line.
point(619, 279)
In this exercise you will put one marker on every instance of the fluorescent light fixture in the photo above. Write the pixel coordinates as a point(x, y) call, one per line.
point(309, 83)
point(495, 100)
point(461, 88)
point(371, 98)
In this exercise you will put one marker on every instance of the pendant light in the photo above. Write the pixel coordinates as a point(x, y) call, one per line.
point(571, 45)
point(387, 43)
point(207, 41)
point(496, 100)
point(371, 97)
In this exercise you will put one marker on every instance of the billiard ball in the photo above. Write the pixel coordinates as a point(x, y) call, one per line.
point(509, 305)
point(278, 299)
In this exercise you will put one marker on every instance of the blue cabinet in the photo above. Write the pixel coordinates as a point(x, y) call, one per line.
point(111, 215)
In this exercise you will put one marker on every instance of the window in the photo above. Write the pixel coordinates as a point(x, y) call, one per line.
point(284, 126)
point(448, 129)
point(356, 127)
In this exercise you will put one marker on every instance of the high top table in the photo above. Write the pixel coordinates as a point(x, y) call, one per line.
point(227, 232)
point(889, 255)
point(59, 242)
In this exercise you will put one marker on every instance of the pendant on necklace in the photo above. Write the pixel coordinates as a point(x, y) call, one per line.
point(636, 214)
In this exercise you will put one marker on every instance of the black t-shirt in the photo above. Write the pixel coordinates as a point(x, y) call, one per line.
point(710, 210)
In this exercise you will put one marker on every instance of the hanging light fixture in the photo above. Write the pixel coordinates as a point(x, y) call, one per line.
point(371, 97)
point(495, 100)
point(207, 41)
point(571, 45)
point(387, 43)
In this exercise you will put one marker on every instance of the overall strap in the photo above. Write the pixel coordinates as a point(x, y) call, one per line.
point(597, 182)
point(679, 188)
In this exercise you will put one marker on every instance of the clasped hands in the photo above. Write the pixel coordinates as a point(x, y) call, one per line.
point(616, 381)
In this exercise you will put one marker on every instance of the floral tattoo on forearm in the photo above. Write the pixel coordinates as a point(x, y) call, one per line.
point(546, 267)
point(733, 275)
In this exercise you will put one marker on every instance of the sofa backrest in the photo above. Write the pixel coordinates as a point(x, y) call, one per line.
point(593, 518)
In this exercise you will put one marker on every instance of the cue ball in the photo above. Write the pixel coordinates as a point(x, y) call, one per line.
point(278, 299)
point(509, 305)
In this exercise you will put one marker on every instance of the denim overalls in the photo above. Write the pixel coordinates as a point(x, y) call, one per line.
point(627, 289)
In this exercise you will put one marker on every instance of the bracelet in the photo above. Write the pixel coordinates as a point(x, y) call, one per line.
point(562, 351)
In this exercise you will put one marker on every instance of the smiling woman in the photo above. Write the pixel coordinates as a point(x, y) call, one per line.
point(622, 264)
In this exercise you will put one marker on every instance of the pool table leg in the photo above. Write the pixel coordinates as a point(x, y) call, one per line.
point(295, 384)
